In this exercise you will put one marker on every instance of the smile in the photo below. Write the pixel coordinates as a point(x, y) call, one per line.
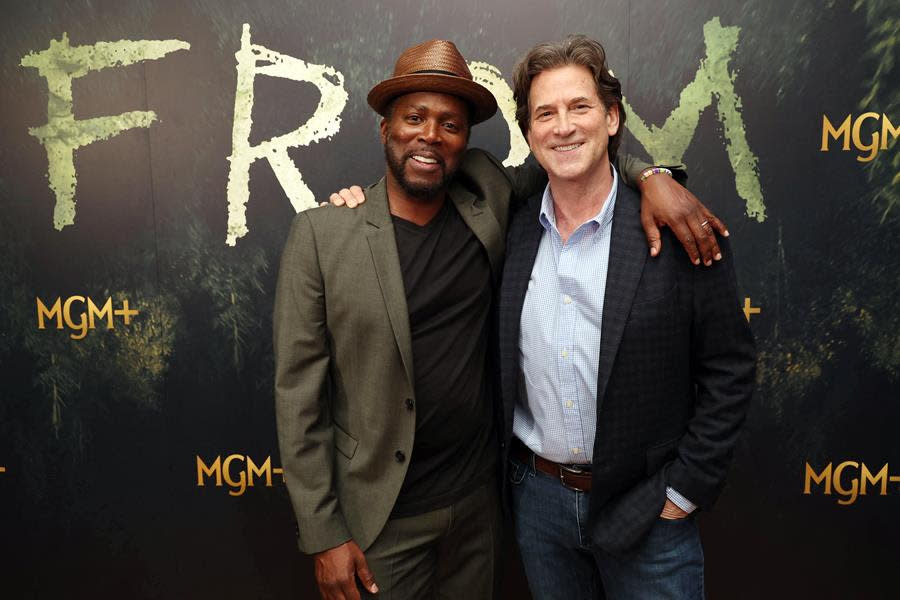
point(568, 147)
point(427, 160)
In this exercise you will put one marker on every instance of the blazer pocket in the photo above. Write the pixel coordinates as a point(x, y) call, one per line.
point(653, 326)
point(344, 442)
point(647, 298)
point(660, 454)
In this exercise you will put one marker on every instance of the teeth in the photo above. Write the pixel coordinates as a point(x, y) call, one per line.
point(425, 159)
point(566, 148)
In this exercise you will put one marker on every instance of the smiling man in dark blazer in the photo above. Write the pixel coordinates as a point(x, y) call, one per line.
point(624, 379)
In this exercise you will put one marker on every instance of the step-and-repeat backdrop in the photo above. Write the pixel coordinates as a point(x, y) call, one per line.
point(152, 155)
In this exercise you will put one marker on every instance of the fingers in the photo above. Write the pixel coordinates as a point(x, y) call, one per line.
point(700, 223)
point(704, 225)
point(668, 517)
point(705, 239)
point(340, 589)
point(365, 575)
point(348, 198)
point(336, 572)
point(357, 193)
point(685, 235)
point(713, 226)
point(714, 249)
point(349, 591)
point(344, 590)
point(672, 511)
point(351, 197)
point(651, 230)
point(716, 223)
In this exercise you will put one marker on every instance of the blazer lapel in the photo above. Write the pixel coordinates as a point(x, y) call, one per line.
point(522, 247)
point(526, 241)
point(627, 254)
point(483, 224)
point(383, 245)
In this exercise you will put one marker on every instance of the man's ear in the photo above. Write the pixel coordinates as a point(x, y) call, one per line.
point(383, 129)
point(612, 120)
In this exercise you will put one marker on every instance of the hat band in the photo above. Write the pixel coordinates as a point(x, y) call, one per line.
point(436, 72)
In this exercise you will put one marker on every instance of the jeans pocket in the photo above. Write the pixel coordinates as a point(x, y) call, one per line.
point(515, 472)
point(673, 521)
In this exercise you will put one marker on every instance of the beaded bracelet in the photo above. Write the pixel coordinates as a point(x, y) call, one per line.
point(653, 171)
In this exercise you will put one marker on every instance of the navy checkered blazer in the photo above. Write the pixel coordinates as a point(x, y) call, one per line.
point(675, 372)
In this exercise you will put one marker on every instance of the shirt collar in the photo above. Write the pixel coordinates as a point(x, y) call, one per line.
point(602, 219)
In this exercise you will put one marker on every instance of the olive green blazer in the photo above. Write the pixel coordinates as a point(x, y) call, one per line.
point(344, 394)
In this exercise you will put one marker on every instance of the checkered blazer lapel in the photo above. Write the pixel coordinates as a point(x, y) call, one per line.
point(627, 253)
point(523, 240)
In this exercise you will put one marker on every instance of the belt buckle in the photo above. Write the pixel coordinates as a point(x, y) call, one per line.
point(574, 470)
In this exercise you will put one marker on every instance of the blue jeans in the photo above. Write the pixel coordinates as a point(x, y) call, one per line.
point(560, 561)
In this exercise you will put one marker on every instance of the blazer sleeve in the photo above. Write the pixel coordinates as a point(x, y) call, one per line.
point(302, 401)
point(724, 373)
point(630, 169)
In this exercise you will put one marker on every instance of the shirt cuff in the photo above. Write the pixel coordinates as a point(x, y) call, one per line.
point(679, 500)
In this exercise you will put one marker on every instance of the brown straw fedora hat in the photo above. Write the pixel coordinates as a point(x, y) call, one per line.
point(434, 66)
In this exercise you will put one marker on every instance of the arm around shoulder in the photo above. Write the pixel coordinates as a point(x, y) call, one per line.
point(630, 169)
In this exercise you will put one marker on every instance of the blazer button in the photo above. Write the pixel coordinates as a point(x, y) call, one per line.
point(409, 404)
point(399, 456)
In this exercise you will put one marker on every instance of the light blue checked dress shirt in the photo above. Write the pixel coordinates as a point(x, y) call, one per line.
point(559, 343)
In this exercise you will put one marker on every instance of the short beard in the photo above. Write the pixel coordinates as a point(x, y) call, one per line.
point(420, 191)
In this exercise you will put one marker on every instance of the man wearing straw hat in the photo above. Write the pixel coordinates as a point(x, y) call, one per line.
point(383, 397)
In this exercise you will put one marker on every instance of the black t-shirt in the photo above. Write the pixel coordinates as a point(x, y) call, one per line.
point(447, 278)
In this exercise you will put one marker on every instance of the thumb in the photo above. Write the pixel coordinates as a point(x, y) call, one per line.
point(651, 231)
point(364, 574)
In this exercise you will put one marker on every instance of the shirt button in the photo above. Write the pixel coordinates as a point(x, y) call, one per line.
point(565, 353)
point(569, 404)
point(576, 450)
point(567, 299)
point(409, 403)
point(399, 456)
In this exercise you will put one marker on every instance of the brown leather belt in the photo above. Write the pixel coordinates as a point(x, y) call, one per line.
point(574, 477)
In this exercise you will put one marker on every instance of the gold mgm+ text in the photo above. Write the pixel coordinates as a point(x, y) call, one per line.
point(81, 314)
point(849, 480)
point(851, 130)
point(238, 472)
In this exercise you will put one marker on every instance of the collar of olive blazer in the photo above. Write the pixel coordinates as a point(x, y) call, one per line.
point(376, 208)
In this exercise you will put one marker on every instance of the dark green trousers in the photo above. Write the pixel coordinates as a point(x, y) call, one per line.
point(448, 553)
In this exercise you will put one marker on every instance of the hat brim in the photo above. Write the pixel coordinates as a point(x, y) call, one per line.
point(482, 101)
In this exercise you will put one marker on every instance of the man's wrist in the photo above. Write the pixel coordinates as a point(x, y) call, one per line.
point(651, 171)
